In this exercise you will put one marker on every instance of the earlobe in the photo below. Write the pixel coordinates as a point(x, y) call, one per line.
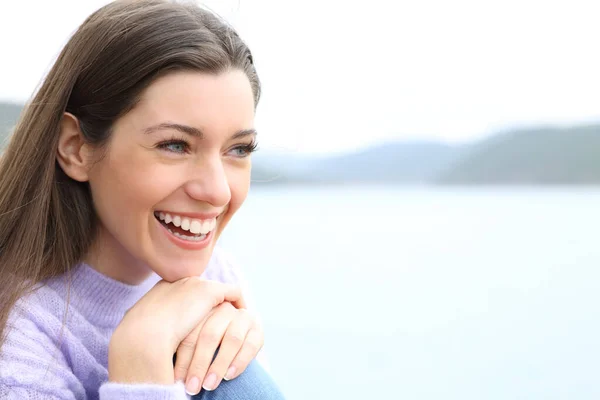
point(72, 150)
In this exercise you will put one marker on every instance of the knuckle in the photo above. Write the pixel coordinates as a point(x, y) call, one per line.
point(180, 370)
point(209, 337)
point(198, 370)
point(254, 345)
point(199, 365)
point(235, 339)
point(187, 344)
point(249, 316)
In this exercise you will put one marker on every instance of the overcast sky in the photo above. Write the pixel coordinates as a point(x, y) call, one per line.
point(338, 75)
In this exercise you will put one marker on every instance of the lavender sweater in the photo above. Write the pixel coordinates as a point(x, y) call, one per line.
point(50, 356)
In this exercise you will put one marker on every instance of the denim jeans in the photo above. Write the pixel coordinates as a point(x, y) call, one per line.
point(253, 384)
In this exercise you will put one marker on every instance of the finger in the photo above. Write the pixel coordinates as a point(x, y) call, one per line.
point(185, 353)
point(240, 303)
point(198, 299)
point(230, 346)
point(186, 349)
point(232, 294)
point(250, 349)
point(209, 339)
point(224, 292)
point(236, 298)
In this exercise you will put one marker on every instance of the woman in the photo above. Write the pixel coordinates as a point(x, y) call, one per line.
point(118, 180)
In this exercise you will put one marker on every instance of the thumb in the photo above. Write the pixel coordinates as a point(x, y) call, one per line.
point(233, 294)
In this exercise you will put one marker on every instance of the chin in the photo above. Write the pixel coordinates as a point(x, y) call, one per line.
point(172, 271)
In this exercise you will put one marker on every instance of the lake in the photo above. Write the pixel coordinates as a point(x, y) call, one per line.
point(424, 293)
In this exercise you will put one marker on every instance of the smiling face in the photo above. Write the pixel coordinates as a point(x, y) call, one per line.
point(175, 170)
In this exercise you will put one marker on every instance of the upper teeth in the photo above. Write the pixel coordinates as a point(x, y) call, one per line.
point(195, 226)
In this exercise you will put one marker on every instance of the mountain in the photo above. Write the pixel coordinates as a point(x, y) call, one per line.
point(534, 156)
point(531, 156)
point(409, 162)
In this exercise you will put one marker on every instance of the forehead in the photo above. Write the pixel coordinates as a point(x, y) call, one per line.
point(206, 101)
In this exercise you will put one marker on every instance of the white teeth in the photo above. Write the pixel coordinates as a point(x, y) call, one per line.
point(196, 227)
point(185, 224)
point(189, 238)
point(205, 227)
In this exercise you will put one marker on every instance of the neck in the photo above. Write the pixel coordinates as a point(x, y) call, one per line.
point(110, 258)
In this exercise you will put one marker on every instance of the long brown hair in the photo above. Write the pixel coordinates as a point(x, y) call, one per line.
point(47, 220)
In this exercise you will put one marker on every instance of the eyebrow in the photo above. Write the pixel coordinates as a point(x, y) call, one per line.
point(190, 130)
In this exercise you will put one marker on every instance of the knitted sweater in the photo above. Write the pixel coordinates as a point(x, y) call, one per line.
point(52, 355)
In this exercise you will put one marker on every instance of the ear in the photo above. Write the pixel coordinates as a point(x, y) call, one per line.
point(73, 153)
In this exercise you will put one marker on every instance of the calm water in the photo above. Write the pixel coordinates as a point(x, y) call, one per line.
point(387, 293)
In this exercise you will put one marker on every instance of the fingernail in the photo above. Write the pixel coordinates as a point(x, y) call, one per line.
point(230, 373)
point(193, 386)
point(210, 382)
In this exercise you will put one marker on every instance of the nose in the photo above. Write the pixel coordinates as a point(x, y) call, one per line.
point(208, 183)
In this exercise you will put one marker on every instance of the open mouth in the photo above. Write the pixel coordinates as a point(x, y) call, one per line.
point(185, 228)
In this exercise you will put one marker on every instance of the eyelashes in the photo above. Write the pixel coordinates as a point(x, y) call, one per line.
point(249, 148)
point(179, 145)
point(174, 145)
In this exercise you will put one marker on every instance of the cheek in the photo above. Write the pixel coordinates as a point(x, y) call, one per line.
point(239, 185)
point(238, 179)
point(126, 189)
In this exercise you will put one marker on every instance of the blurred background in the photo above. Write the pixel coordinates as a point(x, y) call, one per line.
point(423, 219)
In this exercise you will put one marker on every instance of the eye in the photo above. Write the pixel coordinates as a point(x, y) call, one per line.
point(244, 150)
point(174, 146)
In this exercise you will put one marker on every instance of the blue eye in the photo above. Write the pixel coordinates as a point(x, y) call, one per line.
point(244, 150)
point(174, 146)
point(240, 152)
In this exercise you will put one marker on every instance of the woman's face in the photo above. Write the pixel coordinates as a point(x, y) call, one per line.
point(176, 169)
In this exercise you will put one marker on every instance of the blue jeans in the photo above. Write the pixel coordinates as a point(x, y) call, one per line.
point(253, 384)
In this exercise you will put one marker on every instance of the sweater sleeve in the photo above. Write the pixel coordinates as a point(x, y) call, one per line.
point(33, 367)
point(108, 391)
point(118, 391)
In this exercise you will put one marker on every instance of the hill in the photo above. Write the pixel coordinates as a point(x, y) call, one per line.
point(532, 156)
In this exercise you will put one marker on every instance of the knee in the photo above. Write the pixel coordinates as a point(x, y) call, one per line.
point(253, 384)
